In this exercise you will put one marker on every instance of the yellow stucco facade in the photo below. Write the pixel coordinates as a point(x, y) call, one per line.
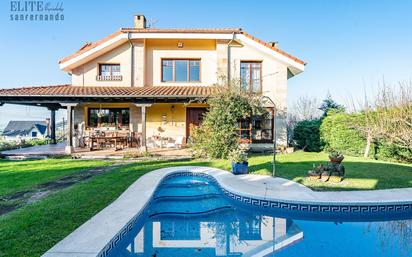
point(166, 120)
point(140, 60)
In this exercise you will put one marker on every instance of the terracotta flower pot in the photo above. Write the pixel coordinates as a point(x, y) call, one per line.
point(335, 179)
point(337, 159)
point(313, 174)
point(324, 176)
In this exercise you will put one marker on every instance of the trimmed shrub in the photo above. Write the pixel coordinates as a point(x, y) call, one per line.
point(339, 131)
point(391, 152)
point(306, 135)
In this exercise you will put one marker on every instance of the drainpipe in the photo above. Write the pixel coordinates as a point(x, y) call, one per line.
point(131, 60)
point(229, 58)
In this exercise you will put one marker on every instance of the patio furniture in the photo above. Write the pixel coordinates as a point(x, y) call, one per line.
point(175, 143)
point(112, 140)
point(158, 141)
point(134, 138)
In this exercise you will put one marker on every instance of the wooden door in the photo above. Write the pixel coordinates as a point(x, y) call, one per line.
point(194, 117)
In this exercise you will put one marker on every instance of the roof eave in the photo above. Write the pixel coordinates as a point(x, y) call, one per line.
point(82, 56)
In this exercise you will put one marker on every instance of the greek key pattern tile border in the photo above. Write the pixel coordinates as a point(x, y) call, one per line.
point(303, 207)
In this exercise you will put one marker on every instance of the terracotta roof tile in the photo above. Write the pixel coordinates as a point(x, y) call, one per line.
point(89, 46)
point(199, 30)
point(80, 91)
point(86, 47)
point(273, 48)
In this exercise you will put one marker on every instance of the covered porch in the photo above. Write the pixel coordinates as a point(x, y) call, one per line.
point(117, 118)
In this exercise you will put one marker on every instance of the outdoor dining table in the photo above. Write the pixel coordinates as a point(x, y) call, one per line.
point(114, 139)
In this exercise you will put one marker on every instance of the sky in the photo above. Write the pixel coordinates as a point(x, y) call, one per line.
point(349, 46)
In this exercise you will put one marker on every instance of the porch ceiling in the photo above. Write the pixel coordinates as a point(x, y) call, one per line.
point(52, 96)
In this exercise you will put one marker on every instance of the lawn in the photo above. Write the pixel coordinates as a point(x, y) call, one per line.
point(32, 230)
point(17, 176)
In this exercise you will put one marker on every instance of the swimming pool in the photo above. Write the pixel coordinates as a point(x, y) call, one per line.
point(193, 216)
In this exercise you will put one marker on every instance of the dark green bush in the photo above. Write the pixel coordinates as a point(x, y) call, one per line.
point(306, 135)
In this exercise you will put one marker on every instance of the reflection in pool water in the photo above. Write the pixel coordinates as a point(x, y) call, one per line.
point(189, 216)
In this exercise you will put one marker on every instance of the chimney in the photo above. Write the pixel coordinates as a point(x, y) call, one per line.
point(139, 22)
point(274, 44)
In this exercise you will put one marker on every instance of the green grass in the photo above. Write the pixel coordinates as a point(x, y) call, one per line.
point(16, 176)
point(361, 174)
point(32, 230)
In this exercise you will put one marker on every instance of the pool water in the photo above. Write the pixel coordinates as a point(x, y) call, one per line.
point(189, 216)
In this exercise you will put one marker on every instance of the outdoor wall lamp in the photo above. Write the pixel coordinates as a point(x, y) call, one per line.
point(164, 118)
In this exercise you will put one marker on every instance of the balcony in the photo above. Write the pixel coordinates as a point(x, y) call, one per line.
point(109, 78)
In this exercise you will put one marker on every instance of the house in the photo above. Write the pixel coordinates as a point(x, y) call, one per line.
point(248, 236)
point(146, 80)
point(25, 129)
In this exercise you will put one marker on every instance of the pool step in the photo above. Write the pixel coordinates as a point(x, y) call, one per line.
point(208, 211)
point(189, 205)
point(185, 184)
point(186, 197)
point(190, 191)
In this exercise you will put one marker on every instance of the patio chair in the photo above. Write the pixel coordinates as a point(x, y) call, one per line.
point(134, 138)
point(177, 143)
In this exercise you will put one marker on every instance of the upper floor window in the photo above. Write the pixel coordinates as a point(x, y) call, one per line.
point(251, 76)
point(109, 72)
point(180, 70)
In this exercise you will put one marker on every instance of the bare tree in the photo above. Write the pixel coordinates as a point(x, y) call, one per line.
point(305, 108)
point(388, 116)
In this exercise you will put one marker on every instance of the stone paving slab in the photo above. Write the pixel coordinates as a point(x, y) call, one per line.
point(50, 149)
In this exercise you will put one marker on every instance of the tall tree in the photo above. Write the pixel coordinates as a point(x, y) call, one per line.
point(328, 104)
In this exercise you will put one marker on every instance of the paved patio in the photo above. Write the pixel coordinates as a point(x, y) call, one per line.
point(38, 150)
point(84, 153)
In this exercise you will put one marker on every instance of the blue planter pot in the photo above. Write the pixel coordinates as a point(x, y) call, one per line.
point(239, 168)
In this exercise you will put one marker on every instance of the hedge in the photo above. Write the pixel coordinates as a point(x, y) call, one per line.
point(339, 131)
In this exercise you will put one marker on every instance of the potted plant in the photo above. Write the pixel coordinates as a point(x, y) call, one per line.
point(316, 172)
point(238, 156)
point(336, 156)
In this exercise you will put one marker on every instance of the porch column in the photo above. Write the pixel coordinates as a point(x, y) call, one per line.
point(143, 145)
point(53, 125)
point(69, 140)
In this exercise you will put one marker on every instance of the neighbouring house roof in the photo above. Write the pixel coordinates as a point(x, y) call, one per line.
point(84, 91)
point(23, 127)
point(89, 46)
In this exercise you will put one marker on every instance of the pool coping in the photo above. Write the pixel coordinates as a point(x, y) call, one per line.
point(102, 232)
